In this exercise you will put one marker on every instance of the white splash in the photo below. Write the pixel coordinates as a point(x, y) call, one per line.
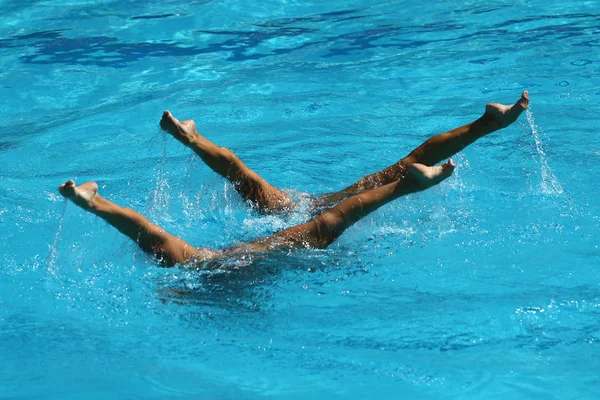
point(158, 206)
point(550, 184)
point(51, 261)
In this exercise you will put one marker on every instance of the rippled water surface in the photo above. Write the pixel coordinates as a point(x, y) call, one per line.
point(486, 287)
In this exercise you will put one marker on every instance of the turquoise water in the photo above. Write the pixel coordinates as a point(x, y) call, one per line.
point(486, 287)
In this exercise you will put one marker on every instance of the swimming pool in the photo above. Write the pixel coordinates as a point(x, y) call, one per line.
point(484, 287)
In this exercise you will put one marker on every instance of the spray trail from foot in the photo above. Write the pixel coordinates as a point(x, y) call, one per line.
point(51, 260)
point(160, 197)
point(550, 184)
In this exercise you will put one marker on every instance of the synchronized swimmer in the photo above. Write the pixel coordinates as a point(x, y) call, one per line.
point(413, 173)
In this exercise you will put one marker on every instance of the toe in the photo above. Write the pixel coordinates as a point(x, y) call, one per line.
point(168, 121)
point(524, 100)
point(67, 187)
point(67, 184)
point(448, 168)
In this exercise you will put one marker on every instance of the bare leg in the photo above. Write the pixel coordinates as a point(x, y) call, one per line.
point(168, 249)
point(221, 160)
point(437, 148)
point(324, 229)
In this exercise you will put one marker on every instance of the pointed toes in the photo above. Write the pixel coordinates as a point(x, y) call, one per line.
point(448, 168)
point(167, 120)
point(68, 184)
point(67, 187)
point(524, 100)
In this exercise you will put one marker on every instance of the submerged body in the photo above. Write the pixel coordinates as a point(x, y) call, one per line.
point(413, 173)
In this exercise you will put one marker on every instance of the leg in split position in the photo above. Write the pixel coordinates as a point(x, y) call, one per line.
point(250, 185)
point(318, 233)
point(437, 148)
point(268, 198)
point(151, 238)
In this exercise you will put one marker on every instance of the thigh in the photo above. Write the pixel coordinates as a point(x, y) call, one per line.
point(266, 197)
point(171, 250)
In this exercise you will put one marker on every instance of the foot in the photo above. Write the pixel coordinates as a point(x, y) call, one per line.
point(82, 195)
point(506, 115)
point(427, 177)
point(184, 131)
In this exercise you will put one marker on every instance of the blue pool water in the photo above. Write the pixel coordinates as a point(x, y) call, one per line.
point(486, 287)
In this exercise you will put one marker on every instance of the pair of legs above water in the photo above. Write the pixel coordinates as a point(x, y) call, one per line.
point(267, 198)
point(411, 174)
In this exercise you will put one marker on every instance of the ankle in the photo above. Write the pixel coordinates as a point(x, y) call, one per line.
point(97, 204)
point(190, 140)
point(489, 123)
